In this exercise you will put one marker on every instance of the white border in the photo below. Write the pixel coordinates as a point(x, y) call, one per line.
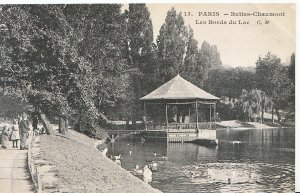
point(297, 142)
point(139, 1)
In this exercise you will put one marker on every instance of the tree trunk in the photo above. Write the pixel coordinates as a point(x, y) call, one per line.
point(127, 123)
point(287, 116)
point(66, 124)
point(46, 124)
point(133, 123)
point(104, 118)
point(62, 125)
point(272, 114)
point(34, 120)
point(278, 115)
point(262, 114)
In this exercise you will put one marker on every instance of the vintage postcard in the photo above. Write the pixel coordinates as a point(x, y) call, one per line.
point(147, 97)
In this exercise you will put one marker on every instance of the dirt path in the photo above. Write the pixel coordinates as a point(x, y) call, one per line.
point(14, 175)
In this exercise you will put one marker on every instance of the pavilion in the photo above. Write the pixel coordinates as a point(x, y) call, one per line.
point(176, 92)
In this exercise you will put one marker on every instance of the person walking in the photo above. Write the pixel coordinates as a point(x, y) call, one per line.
point(15, 135)
point(24, 128)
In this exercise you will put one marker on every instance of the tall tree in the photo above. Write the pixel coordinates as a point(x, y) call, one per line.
point(191, 68)
point(172, 44)
point(141, 54)
point(291, 99)
point(272, 78)
point(37, 52)
point(41, 56)
point(102, 41)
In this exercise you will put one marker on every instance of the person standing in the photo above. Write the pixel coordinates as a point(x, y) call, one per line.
point(5, 137)
point(24, 128)
point(15, 135)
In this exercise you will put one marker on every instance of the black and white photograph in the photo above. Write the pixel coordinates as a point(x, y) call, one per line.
point(147, 97)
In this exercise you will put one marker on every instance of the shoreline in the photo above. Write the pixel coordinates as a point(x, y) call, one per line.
point(74, 164)
point(240, 125)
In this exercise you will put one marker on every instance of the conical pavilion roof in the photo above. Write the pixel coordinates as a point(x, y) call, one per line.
point(179, 88)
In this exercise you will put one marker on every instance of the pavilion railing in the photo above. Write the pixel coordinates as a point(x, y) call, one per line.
point(181, 126)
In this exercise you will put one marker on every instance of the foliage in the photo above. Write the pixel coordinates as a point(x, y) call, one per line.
point(141, 55)
point(229, 82)
point(172, 45)
point(11, 104)
point(291, 74)
point(37, 51)
point(178, 51)
point(42, 54)
point(272, 78)
point(249, 106)
point(92, 63)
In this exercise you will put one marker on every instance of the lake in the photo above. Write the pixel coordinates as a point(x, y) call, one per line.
point(246, 160)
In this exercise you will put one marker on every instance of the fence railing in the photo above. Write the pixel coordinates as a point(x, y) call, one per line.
point(182, 126)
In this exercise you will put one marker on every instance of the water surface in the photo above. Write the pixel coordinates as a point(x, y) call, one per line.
point(251, 160)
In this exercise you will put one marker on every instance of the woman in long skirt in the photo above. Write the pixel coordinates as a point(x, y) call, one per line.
point(5, 137)
point(15, 135)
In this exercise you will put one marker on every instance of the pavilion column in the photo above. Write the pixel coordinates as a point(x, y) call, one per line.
point(215, 106)
point(145, 114)
point(197, 114)
point(167, 115)
point(209, 115)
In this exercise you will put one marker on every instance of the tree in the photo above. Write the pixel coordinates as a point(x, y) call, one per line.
point(292, 68)
point(291, 99)
point(36, 51)
point(192, 68)
point(172, 45)
point(210, 55)
point(272, 78)
point(249, 106)
point(229, 82)
point(141, 54)
point(41, 57)
point(255, 103)
point(103, 43)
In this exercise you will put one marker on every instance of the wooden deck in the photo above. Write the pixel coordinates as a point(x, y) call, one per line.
point(182, 126)
point(174, 133)
point(183, 132)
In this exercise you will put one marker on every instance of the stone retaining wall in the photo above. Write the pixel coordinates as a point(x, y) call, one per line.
point(40, 170)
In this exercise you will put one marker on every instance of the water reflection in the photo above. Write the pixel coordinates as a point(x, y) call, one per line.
point(188, 153)
point(245, 161)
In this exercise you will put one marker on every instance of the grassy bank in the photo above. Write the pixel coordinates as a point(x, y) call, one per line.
point(81, 168)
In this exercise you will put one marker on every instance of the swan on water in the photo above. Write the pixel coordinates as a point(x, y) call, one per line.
point(147, 174)
point(138, 170)
point(116, 157)
point(104, 151)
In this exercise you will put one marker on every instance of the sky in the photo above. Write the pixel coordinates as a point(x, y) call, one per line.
point(239, 44)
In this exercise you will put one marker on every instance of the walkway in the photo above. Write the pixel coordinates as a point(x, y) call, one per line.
point(14, 174)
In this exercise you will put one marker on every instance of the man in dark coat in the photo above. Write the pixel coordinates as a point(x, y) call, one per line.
point(23, 128)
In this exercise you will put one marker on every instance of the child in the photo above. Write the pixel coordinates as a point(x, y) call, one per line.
point(15, 135)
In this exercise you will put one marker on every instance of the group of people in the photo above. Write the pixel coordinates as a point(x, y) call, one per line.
point(17, 131)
